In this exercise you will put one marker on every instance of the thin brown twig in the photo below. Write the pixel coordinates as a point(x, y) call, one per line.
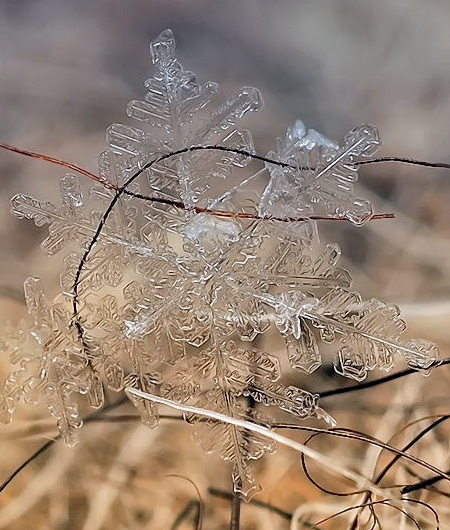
point(422, 484)
point(421, 479)
point(179, 204)
point(58, 162)
point(287, 516)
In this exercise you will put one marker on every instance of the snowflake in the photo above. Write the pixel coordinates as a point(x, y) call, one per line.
point(171, 295)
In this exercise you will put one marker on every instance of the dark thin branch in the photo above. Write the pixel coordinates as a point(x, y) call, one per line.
point(91, 418)
point(395, 459)
point(404, 160)
point(30, 459)
point(97, 416)
point(376, 382)
point(192, 505)
point(422, 484)
point(235, 519)
point(410, 444)
point(89, 174)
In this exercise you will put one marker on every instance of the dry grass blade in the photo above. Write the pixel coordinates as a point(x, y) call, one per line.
point(321, 459)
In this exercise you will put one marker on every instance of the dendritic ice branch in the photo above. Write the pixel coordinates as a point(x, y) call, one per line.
point(174, 300)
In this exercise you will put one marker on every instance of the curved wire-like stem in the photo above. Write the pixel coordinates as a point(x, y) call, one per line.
point(392, 462)
point(89, 174)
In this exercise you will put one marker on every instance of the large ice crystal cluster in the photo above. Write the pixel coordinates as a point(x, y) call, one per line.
point(173, 298)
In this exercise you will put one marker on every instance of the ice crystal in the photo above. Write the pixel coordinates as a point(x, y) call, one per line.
point(173, 300)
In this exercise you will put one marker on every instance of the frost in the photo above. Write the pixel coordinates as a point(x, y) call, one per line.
point(321, 175)
point(50, 364)
point(171, 295)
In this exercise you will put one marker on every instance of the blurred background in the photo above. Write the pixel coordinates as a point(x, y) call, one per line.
point(67, 70)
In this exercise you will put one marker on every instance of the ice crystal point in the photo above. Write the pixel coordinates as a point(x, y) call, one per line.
point(421, 355)
point(303, 353)
point(6, 411)
point(26, 207)
point(248, 99)
point(245, 484)
point(323, 415)
point(175, 296)
point(163, 49)
point(298, 136)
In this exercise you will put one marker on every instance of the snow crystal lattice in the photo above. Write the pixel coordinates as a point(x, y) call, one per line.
point(174, 301)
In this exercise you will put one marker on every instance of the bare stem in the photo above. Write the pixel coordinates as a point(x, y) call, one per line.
point(235, 511)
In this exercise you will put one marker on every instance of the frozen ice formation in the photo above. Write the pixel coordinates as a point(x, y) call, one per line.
point(173, 298)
